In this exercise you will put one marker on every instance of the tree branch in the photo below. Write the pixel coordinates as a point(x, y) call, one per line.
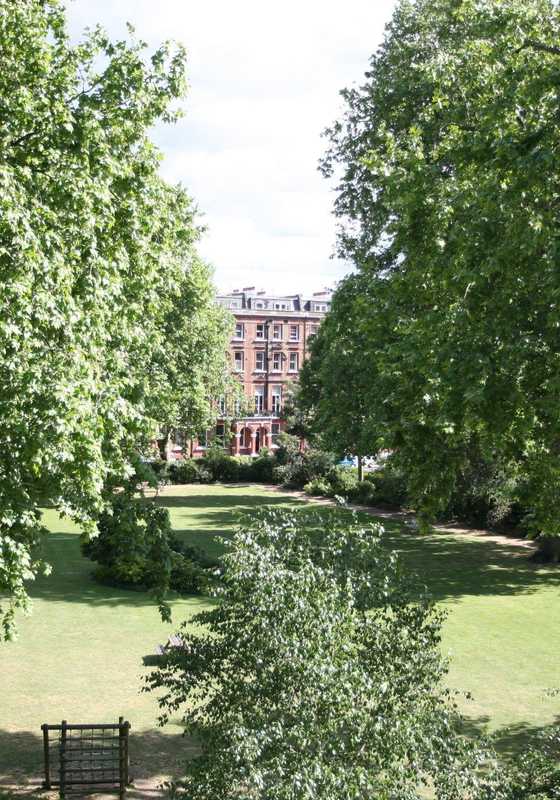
point(543, 48)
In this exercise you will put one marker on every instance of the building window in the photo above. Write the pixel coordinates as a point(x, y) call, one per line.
point(259, 399)
point(202, 439)
point(277, 362)
point(276, 399)
point(222, 406)
point(235, 304)
point(294, 333)
point(259, 361)
point(320, 307)
point(281, 306)
point(313, 330)
point(277, 332)
point(275, 430)
point(294, 362)
point(260, 304)
point(239, 331)
point(220, 433)
point(238, 356)
point(260, 330)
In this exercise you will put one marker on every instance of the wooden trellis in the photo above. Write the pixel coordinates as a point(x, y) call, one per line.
point(93, 756)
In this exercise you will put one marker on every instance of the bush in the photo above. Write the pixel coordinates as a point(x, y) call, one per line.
point(389, 486)
point(135, 548)
point(221, 466)
point(262, 467)
point(160, 469)
point(133, 543)
point(299, 468)
point(318, 487)
point(320, 673)
point(187, 577)
point(363, 493)
point(342, 481)
point(186, 471)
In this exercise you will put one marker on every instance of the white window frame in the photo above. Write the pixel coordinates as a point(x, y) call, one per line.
point(278, 325)
point(259, 399)
point(295, 357)
point(239, 330)
point(276, 399)
point(259, 333)
point(276, 361)
point(260, 356)
point(294, 329)
point(238, 361)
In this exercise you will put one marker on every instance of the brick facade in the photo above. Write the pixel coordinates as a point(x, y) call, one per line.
point(269, 346)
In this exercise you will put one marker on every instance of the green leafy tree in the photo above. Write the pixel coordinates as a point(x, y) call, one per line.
point(97, 259)
point(447, 159)
point(336, 379)
point(318, 674)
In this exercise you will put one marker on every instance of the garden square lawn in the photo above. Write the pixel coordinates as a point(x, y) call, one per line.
point(80, 655)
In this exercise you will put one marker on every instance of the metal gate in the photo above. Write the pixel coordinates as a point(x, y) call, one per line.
point(94, 756)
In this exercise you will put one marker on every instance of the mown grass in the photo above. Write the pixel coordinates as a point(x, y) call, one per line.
point(80, 655)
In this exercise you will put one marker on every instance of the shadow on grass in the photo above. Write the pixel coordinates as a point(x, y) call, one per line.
point(239, 502)
point(455, 565)
point(451, 565)
point(154, 758)
point(510, 740)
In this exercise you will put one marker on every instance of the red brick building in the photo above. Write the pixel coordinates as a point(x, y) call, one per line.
point(267, 350)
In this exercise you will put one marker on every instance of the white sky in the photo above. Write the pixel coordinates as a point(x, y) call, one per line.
point(264, 81)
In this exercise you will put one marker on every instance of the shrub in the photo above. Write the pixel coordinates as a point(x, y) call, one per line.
point(160, 469)
point(342, 481)
point(363, 493)
point(389, 486)
point(186, 471)
point(318, 487)
point(245, 468)
point(262, 467)
point(187, 577)
point(318, 675)
point(221, 466)
point(135, 548)
point(299, 468)
point(133, 543)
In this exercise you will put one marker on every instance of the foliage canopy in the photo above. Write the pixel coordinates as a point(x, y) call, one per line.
point(107, 325)
point(447, 159)
point(317, 675)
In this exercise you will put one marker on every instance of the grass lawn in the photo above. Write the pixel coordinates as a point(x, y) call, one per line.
point(80, 654)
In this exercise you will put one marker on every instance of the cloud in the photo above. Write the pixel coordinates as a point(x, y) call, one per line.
point(264, 83)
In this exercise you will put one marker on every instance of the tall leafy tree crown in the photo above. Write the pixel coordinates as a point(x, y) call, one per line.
point(447, 160)
point(102, 294)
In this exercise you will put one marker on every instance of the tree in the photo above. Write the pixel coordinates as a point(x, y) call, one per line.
point(448, 198)
point(97, 258)
point(335, 380)
point(317, 675)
